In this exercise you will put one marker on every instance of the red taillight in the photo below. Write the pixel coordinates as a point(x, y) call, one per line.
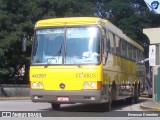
point(99, 84)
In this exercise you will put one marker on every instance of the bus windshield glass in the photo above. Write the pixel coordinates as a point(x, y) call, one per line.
point(80, 45)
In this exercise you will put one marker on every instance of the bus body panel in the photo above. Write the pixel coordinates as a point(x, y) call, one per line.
point(72, 76)
point(80, 96)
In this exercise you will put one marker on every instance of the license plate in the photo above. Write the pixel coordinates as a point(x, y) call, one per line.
point(63, 99)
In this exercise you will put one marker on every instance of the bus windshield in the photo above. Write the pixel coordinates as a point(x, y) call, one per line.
point(68, 45)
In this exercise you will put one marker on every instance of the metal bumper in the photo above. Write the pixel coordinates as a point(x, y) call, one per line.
point(84, 96)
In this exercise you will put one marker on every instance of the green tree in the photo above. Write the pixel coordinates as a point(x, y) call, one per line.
point(132, 16)
point(18, 17)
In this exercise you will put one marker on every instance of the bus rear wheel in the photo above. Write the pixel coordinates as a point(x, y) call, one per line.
point(135, 96)
point(132, 100)
point(55, 106)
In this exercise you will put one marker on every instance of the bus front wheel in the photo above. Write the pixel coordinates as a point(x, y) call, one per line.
point(55, 106)
point(107, 106)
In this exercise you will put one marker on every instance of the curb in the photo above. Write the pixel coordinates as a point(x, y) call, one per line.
point(149, 108)
point(14, 90)
point(15, 98)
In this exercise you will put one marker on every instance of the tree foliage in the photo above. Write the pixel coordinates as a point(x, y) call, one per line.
point(18, 17)
point(132, 16)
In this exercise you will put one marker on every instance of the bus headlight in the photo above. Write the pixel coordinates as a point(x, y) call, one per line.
point(34, 85)
point(40, 85)
point(86, 85)
point(37, 85)
point(93, 85)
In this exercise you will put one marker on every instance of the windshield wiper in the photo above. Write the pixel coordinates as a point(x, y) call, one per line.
point(75, 61)
point(53, 57)
point(60, 50)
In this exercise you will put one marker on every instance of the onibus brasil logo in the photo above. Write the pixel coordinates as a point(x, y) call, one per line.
point(153, 6)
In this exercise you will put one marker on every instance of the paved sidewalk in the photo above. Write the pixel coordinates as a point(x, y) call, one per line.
point(150, 105)
point(15, 98)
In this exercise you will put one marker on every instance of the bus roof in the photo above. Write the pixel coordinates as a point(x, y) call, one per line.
point(72, 21)
point(67, 21)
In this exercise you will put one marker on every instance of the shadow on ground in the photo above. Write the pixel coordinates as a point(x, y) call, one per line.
point(116, 105)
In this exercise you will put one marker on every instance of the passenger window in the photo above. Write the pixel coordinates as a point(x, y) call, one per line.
point(138, 55)
point(117, 42)
point(130, 51)
point(124, 48)
point(134, 53)
point(112, 42)
point(105, 45)
point(141, 55)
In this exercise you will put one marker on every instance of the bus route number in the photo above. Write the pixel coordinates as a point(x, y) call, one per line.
point(39, 75)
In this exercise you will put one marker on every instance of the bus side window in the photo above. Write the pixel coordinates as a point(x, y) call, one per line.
point(104, 41)
point(138, 55)
point(104, 45)
point(117, 42)
point(130, 51)
point(111, 42)
point(141, 55)
point(107, 43)
point(106, 48)
point(123, 48)
point(134, 53)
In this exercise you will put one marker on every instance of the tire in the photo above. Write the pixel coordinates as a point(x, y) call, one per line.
point(131, 100)
point(107, 106)
point(55, 106)
point(114, 91)
point(139, 90)
point(135, 96)
point(150, 96)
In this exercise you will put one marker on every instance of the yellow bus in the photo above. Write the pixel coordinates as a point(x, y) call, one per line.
point(84, 60)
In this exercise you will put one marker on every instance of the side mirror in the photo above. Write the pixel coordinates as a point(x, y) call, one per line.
point(32, 38)
point(103, 32)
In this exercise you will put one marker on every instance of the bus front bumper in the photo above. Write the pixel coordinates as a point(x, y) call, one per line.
point(63, 97)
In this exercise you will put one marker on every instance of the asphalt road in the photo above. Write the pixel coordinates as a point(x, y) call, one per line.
point(27, 105)
point(75, 111)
